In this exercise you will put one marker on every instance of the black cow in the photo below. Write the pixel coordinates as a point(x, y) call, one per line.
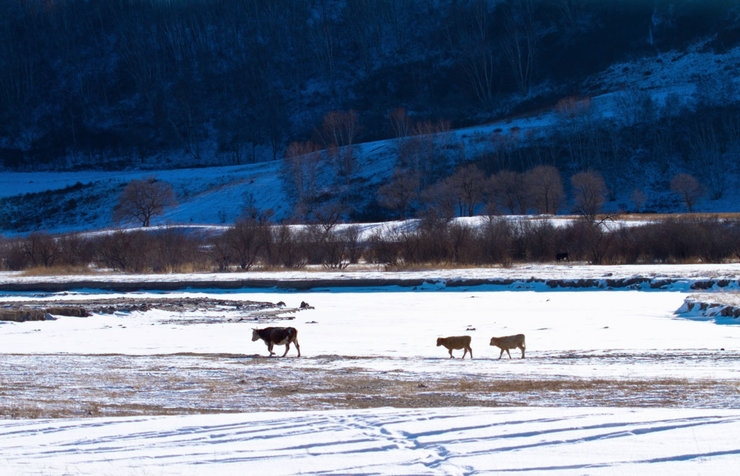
point(277, 336)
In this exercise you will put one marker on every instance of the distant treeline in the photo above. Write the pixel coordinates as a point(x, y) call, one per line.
point(124, 83)
point(256, 244)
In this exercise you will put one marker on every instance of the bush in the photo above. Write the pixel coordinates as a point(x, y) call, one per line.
point(433, 241)
point(496, 242)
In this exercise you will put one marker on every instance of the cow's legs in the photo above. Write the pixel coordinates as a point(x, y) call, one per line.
point(522, 352)
point(269, 348)
point(451, 356)
point(507, 351)
point(501, 354)
point(297, 347)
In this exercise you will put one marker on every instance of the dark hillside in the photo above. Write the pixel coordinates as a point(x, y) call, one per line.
point(134, 83)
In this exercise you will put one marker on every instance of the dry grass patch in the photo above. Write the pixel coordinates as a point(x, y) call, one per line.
point(60, 270)
point(55, 386)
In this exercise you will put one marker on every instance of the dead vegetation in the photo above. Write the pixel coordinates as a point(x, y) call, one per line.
point(431, 242)
point(62, 385)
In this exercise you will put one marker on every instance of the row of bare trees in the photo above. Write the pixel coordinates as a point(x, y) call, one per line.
point(254, 243)
point(158, 251)
point(425, 176)
point(503, 242)
point(524, 171)
point(540, 190)
point(463, 193)
point(248, 243)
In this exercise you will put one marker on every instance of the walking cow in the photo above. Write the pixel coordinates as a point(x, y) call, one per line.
point(509, 342)
point(277, 336)
point(456, 342)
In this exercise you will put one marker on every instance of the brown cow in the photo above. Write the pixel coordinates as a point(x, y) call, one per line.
point(277, 336)
point(456, 342)
point(509, 342)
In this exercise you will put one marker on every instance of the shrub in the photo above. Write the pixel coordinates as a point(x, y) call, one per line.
point(496, 242)
point(429, 241)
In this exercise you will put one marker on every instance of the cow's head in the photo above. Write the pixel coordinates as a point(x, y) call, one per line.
point(439, 341)
point(255, 334)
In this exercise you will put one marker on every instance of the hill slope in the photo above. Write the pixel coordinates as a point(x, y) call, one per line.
point(666, 86)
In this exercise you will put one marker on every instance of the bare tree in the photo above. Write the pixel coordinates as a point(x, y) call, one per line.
point(338, 132)
point(544, 188)
point(474, 40)
point(400, 122)
point(427, 151)
point(441, 200)
point(41, 249)
point(300, 174)
point(172, 250)
point(286, 248)
point(143, 199)
point(589, 193)
point(125, 250)
point(324, 38)
point(481, 73)
point(339, 128)
point(520, 42)
point(400, 192)
point(506, 189)
point(336, 248)
point(468, 184)
point(688, 188)
point(246, 240)
point(706, 150)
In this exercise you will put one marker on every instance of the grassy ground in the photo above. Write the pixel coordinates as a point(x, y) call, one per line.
point(56, 386)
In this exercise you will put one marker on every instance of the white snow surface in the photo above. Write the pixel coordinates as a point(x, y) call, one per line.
point(396, 328)
point(684, 272)
point(383, 441)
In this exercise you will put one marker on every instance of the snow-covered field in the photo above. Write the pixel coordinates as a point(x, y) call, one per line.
point(614, 382)
point(531, 440)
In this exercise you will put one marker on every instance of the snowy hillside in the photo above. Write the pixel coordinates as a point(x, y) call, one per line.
point(68, 201)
